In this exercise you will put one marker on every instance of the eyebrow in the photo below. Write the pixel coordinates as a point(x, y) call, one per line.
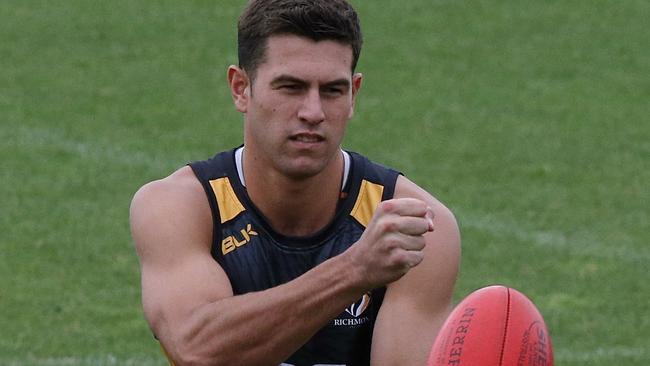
point(292, 79)
point(338, 82)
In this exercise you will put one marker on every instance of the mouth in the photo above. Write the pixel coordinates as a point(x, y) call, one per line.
point(306, 137)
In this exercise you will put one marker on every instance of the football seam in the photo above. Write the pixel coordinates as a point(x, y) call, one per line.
point(505, 331)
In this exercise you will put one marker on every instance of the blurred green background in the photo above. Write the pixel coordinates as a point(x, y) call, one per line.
point(529, 119)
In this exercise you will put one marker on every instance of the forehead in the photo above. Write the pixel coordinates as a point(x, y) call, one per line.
point(304, 58)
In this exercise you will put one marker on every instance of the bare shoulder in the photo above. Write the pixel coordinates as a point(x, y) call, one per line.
point(171, 225)
point(181, 184)
point(167, 210)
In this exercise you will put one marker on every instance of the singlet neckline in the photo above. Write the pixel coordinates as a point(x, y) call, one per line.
point(239, 163)
point(349, 192)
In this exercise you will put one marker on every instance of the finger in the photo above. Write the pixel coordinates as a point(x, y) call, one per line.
point(413, 225)
point(401, 242)
point(429, 216)
point(413, 243)
point(414, 258)
point(404, 207)
point(407, 259)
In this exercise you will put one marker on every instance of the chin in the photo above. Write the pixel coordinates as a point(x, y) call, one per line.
point(302, 173)
point(303, 169)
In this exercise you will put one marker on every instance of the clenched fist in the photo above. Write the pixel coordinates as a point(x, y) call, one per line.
point(393, 241)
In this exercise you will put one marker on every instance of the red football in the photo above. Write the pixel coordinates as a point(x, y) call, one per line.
point(493, 326)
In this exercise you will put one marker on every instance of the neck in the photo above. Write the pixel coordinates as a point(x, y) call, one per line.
point(295, 206)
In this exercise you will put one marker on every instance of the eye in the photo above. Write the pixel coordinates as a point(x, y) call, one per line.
point(290, 87)
point(334, 91)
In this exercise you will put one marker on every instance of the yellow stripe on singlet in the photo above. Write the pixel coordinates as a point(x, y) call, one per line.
point(367, 201)
point(229, 205)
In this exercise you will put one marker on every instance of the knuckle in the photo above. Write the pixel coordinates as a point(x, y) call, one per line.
point(386, 206)
point(400, 258)
point(397, 259)
point(388, 226)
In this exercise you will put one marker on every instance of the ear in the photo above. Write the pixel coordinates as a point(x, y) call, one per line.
point(356, 85)
point(239, 87)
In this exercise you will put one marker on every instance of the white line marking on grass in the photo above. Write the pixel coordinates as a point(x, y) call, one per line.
point(582, 246)
point(95, 150)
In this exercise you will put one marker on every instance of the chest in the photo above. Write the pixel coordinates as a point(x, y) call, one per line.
point(255, 259)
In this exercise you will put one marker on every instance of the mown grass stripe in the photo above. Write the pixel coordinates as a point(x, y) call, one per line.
point(619, 353)
point(98, 360)
point(583, 246)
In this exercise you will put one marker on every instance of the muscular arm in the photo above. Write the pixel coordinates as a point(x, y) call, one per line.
point(416, 305)
point(187, 297)
point(188, 300)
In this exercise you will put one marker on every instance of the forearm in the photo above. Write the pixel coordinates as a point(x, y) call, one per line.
point(266, 327)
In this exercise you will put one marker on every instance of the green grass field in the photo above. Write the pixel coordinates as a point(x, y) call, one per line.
point(529, 119)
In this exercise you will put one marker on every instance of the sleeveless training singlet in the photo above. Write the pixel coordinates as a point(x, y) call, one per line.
point(255, 257)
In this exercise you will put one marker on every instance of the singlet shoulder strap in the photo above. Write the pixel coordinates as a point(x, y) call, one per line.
point(376, 183)
point(217, 176)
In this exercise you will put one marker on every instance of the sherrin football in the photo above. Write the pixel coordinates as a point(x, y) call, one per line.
point(493, 326)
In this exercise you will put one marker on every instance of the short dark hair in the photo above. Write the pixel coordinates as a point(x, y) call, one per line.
point(314, 19)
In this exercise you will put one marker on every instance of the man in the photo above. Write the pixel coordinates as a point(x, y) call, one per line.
point(289, 250)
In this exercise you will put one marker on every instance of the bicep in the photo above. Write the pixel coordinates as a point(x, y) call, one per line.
point(170, 293)
point(416, 305)
point(172, 233)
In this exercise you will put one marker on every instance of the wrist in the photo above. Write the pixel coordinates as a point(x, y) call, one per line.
point(354, 272)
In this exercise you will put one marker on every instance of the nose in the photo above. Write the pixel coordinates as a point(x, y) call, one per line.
point(311, 109)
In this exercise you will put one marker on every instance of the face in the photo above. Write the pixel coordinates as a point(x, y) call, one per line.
point(297, 108)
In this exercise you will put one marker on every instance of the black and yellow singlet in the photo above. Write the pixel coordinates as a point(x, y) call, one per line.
point(255, 257)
